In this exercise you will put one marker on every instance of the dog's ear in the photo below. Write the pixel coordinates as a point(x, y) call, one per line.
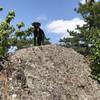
point(36, 24)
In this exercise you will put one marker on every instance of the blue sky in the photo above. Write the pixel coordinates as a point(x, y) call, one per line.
point(53, 15)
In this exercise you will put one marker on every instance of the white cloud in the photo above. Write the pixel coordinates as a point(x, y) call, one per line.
point(39, 18)
point(83, 1)
point(60, 26)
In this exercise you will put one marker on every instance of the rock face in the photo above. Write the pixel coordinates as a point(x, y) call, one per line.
point(51, 73)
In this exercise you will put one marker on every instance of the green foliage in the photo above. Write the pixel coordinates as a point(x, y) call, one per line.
point(77, 41)
point(10, 16)
point(47, 41)
point(5, 31)
point(20, 25)
point(67, 42)
point(22, 36)
point(24, 43)
point(19, 33)
point(95, 65)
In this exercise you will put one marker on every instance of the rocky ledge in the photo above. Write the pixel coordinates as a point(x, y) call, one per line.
point(51, 73)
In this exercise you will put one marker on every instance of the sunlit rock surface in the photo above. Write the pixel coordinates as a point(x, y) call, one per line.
point(51, 73)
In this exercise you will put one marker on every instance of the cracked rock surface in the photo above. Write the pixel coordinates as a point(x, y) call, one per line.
point(51, 73)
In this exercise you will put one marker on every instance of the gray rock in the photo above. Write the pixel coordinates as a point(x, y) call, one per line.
point(51, 73)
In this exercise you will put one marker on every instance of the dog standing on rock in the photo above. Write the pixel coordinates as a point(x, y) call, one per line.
point(38, 34)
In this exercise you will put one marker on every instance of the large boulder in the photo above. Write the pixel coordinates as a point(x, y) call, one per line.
point(51, 73)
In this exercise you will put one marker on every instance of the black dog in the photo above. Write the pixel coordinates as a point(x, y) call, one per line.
point(38, 34)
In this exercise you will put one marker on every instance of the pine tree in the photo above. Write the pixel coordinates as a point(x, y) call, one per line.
point(81, 40)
